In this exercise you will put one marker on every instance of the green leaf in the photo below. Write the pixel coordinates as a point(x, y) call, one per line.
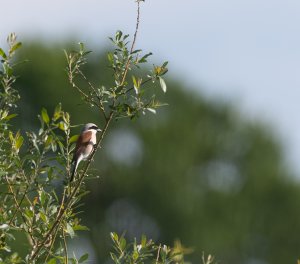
point(57, 112)
point(143, 240)
point(135, 255)
point(114, 258)
point(152, 110)
point(4, 226)
point(43, 217)
point(53, 146)
point(144, 58)
point(70, 230)
point(43, 197)
point(165, 64)
point(62, 125)
point(136, 51)
point(6, 248)
point(81, 46)
point(28, 213)
point(80, 228)
point(114, 236)
point(52, 261)
point(61, 147)
point(48, 141)
point(119, 34)
point(7, 118)
point(83, 258)
point(45, 116)
point(7, 69)
point(11, 137)
point(73, 139)
point(19, 142)
point(122, 243)
point(126, 36)
point(110, 57)
point(135, 85)
point(15, 47)
point(2, 54)
point(162, 84)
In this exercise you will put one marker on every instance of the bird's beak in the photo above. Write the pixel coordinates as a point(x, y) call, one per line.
point(99, 130)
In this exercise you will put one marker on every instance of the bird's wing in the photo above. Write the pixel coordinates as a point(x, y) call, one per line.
point(83, 140)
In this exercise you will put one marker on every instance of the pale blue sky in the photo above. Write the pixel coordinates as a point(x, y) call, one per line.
point(247, 51)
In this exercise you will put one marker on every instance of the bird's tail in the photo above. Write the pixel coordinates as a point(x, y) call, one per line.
point(73, 170)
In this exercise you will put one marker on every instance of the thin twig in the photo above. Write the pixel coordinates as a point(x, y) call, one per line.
point(54, 229)
point(20, 203)
point(62, 203)
point(131, 88)
point(94, 90)
point(65, 248)
point(86, 97)
point(20, 210)
point(71, 80)
point(133, 42)
point(26, 194)
point(86, 79)
point(68, 202)
point(158, 251)
point(59, 217)
point(51, 244)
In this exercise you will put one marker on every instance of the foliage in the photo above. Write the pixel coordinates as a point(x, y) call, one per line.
point(144, 252)
point(203, 172)
point(125, 98)
point(37, 209)
point(33, 210)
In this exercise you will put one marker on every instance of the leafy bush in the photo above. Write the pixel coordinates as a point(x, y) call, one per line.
point(39, 204)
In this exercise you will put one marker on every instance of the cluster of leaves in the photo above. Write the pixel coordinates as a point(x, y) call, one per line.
point(9, 95)
point(31, 167)
point(146, 251)
point(37, 208)
point(127, 96)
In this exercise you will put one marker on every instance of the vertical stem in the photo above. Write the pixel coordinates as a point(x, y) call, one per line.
point(158, 252)
point(68, 202)
point(133, 42)
point(65, 248)
point(20, 210)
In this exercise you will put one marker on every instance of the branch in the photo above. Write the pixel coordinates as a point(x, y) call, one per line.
point(65, 248)
point(95, 91)
point(86, 79)
point(131, 88)
point(133, 42)
point(158, 252)
point(19, 204)
point(67, 204)
point(20, 210)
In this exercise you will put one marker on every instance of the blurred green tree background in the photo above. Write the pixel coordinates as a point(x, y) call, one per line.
point(198, 171)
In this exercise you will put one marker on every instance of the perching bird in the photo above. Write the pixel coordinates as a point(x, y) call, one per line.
point(84, 146)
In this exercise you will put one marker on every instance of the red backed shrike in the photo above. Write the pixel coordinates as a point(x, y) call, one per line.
point(84, 146)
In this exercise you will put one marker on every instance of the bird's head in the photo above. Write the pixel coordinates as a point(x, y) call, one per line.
point(91, 126)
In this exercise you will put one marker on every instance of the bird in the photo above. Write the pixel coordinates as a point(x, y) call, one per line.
point(84, 146)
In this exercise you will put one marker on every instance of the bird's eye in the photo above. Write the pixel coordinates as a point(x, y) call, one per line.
point(94, 127)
